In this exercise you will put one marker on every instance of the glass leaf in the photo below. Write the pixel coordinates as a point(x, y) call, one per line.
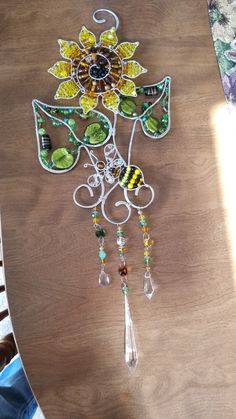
point(151, 107)
point(93, 130)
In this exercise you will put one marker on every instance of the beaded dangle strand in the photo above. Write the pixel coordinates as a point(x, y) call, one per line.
point(103, 279)
point(130, 349)
point(148, 287)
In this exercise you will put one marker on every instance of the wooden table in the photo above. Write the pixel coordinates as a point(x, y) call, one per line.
point(69, 331)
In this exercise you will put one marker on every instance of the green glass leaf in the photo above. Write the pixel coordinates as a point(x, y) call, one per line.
point(95, 134)
point(128, 107)
point(152, 124)
point(71, 121)
point(155, 119)
point(71, 118)
point(62, 159)
point(151, 107)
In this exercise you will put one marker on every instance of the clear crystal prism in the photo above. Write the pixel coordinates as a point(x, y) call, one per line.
point(148, 287)
point(103, 279)
point(131, 355)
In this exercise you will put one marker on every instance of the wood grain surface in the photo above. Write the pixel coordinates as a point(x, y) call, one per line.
point(69, 331)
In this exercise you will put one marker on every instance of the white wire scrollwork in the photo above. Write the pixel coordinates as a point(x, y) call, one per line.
point(117, 22)
point(109, 170)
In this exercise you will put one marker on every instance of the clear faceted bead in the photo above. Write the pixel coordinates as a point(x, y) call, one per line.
point(104, 279)
point(131, 355)
point(148, 287)
point(121, 241)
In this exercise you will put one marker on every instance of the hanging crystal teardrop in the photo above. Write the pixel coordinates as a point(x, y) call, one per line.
point(103, 279)
point(148, 287)
point(131, 355)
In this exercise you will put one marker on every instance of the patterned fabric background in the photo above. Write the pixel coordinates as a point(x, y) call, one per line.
point(222, 16)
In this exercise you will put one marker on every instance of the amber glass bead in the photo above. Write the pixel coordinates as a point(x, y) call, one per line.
point(145, 229)
point(148, 242)
point(96, 220)
point(121, 249)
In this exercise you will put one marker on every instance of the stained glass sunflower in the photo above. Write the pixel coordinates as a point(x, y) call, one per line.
point(96, 69)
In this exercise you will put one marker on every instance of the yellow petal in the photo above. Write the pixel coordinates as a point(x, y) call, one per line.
point(127, 87)
point(61, 70)
point(88, 102)
point(87, 38)
point(133, 69)
point(109, 38)
point(67, 90)
point(69, 49)
point(111, 101)
point(126, 49)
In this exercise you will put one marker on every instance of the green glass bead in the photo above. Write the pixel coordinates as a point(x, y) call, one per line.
point(152, 124)
point(139, 90)
point(164, 102)
point(161, 130)
point(56, 123)
point(71, 123)
point(165, 119)
point(42, 131)
point(46, 163)
point(147, 260)
point(146, 106)
point(74, 151)
point(125, 290)
point(71, 139)
point(102, 254)
point(101, 232)
point(44, 153)
point(95, 133)
point(62, 159)
point(40, 120)
point(95, 214)
point(128, 106)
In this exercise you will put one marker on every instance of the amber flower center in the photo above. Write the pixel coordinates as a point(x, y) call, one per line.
point(100, 70)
